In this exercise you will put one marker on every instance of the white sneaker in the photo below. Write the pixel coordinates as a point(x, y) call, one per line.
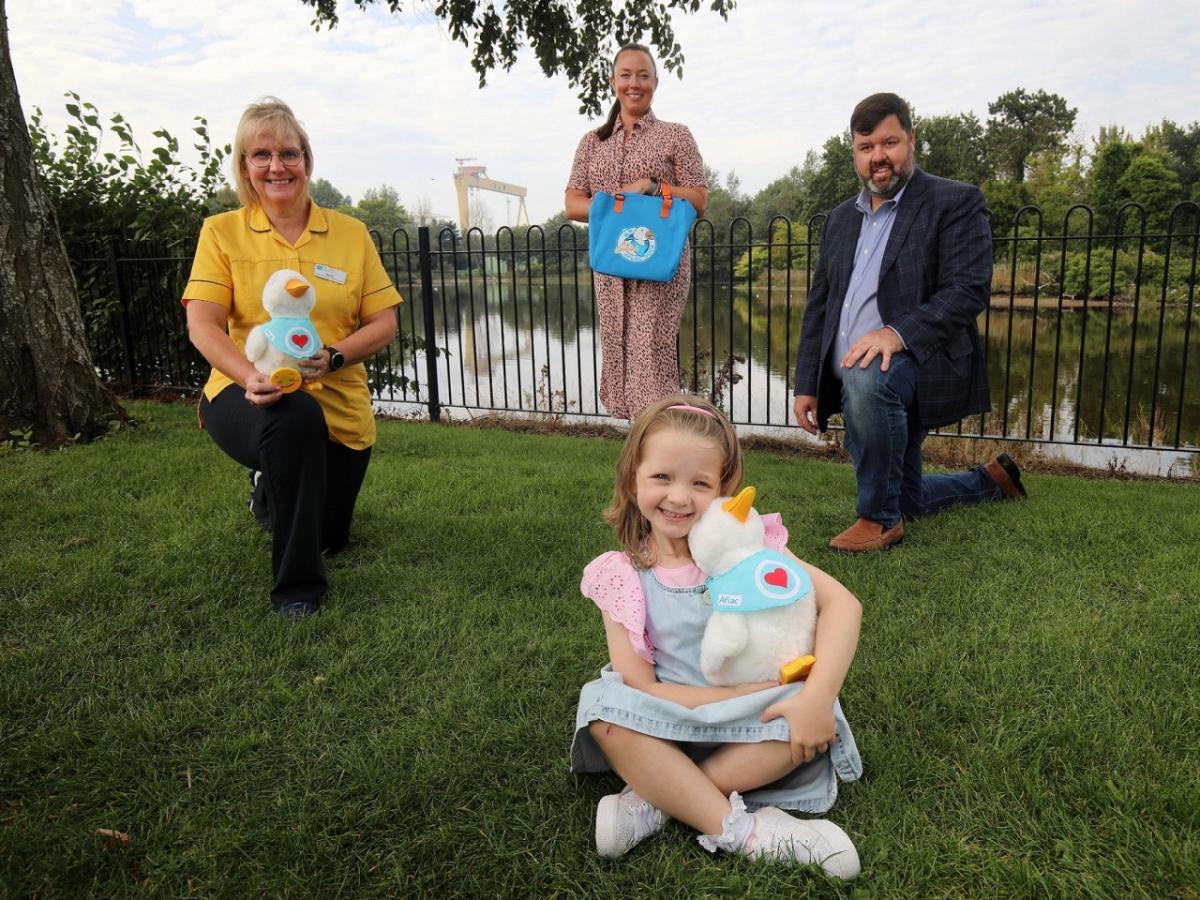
point(783, 838)
point(623, 821)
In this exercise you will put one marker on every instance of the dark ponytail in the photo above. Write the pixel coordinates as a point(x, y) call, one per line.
point(604, 132)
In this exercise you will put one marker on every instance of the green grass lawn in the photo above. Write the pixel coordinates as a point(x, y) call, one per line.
point(1024, 697)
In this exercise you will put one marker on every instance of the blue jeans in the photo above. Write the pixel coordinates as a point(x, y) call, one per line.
point(884, 437)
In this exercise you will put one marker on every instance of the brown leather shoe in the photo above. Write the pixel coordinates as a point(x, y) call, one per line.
point(1007, 476)
point(866, 535)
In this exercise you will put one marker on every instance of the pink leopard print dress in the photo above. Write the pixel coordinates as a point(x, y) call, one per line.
point(639, 320)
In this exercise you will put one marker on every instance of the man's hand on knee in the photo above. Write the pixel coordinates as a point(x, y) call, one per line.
point(880, 342)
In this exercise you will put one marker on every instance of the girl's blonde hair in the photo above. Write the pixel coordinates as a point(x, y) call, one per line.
point(272, 116)
point(622, 513)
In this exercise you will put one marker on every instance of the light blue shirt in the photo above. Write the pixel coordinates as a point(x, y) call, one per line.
point(860, 308)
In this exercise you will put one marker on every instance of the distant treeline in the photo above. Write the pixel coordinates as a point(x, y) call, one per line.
point(1026, 153)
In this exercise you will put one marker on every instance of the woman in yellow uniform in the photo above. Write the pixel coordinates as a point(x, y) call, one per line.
point(308, 449)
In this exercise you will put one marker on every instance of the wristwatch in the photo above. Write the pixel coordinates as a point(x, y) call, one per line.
point(336, 359)
point(653, 188)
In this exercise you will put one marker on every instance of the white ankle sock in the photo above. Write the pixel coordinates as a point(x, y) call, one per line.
point(736, 828)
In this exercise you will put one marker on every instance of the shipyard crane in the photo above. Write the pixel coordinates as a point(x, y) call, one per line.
point(468, 178)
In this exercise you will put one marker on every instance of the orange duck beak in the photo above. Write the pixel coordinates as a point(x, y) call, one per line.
point(739, 506)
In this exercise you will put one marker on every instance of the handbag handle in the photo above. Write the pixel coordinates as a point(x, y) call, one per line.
point(619, 201)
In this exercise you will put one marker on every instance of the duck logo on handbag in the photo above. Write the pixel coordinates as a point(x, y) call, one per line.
point(638, 236)
point(636, 244)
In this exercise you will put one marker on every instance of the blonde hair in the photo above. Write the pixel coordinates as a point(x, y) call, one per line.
point(272, 116)
point(622, 512)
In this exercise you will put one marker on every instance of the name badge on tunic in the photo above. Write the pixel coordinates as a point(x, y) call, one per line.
point(329, 273)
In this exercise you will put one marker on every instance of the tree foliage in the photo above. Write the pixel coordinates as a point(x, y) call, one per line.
point(1021, 124)
point(574, 37)
point(326, 195)
point(1004, 201)
point(103, 185)
point(1150, 181)
point(785, 248)
point(726, 201)
point(1142, 172)
point(1055, 183)
point(1055, 173)
point(952, 147)
point(787, 196)
point(1109, 162)
point(1182, 147)
point(830, 178)
point(380, 208)
point(104, 188)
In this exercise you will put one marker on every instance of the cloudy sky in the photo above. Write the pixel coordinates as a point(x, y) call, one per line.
point(391, 99)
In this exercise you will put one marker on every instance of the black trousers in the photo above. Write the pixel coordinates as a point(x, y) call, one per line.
point(309, 482)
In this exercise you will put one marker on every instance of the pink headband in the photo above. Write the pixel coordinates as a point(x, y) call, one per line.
point(695, 409)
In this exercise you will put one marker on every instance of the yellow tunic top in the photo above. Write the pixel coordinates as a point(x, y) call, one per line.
point(238, 251)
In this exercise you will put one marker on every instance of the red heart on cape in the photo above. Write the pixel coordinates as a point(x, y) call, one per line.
point(300, 340)
point(777, 578)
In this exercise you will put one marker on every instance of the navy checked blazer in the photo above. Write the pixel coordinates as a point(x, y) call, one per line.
point(934, 281)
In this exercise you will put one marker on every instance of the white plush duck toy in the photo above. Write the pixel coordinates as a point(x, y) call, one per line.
point(276, 347)
point(764, 615)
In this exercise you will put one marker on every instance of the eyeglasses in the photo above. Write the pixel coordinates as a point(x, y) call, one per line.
point(262, 158)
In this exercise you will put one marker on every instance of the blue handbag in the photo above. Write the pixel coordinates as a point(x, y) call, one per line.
point(635, 236)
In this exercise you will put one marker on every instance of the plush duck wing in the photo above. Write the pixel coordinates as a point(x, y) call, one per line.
point(725, 636)
point(256, 344)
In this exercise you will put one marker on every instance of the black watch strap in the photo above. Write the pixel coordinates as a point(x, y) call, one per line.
point(336, 359)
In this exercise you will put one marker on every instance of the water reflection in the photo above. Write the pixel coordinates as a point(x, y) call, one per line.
point(1114, 378)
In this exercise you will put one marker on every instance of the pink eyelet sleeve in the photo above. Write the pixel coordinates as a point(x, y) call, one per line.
point(776, 532)
point(611, 582)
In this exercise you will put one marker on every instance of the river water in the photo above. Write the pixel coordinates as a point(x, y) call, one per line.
point(1105, 387)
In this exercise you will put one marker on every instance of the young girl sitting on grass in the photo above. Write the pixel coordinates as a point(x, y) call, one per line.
point(686, 750)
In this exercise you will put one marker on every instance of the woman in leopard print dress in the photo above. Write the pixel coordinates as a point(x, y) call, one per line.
point(635, 152)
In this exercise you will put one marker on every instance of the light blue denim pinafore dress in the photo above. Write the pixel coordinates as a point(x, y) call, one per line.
point(675, 620)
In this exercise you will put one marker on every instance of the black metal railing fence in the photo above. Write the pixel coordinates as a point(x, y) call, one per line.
point(1090, 336)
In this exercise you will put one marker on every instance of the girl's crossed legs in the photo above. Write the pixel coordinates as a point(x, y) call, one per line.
point(706, 796)
point(696, 794)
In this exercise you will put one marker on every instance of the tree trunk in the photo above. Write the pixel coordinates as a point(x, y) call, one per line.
point(47, 380)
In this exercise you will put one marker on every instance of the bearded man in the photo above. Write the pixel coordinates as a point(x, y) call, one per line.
point(889, 335)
